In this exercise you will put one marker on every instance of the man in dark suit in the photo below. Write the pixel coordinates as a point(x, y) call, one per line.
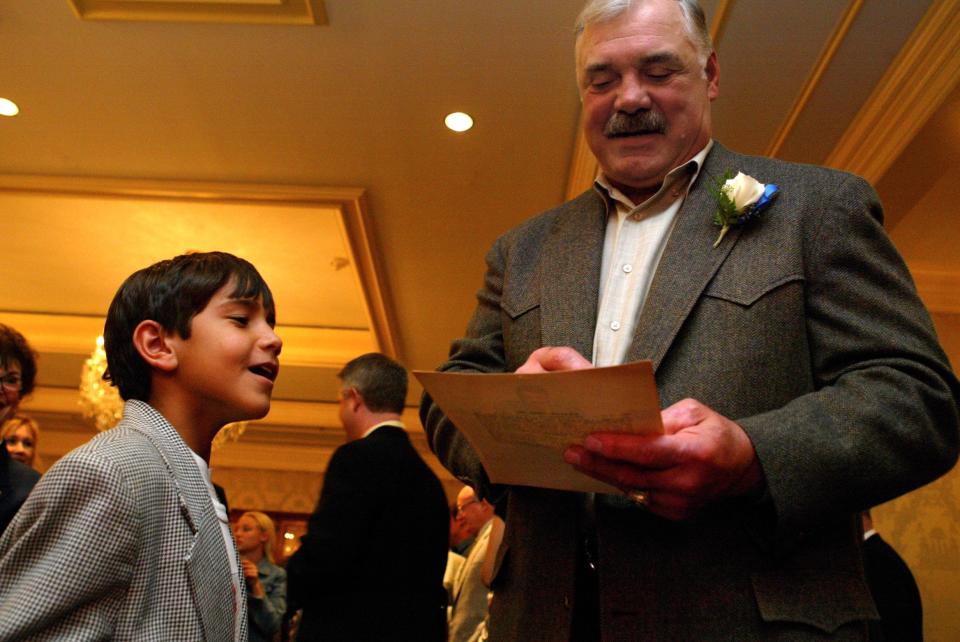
point(893, 587)
point(800, 374)
point(371, 564)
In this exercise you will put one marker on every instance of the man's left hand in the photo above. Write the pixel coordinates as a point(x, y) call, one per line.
point(701, 457)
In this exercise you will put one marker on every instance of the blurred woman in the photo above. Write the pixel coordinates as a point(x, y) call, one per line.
point(21, 433)
point(266, 582)
point(18, 370)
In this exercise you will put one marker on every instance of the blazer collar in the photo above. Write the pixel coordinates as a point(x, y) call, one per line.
point(572, 255)
point(688, 264)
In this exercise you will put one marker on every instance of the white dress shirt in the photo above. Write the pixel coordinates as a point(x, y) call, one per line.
point(231, 546)
point(635, 239)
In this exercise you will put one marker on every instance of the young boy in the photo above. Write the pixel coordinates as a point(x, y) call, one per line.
point(123, 538)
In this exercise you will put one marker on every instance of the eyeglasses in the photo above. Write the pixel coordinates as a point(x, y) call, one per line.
point(11, 381)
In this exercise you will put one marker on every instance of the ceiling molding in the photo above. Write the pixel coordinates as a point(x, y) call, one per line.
point(302, 12)
point(939, 290)
point(321, 346)
point(816, 75)
point(924, 73)
point(359, 233)
point(719, 22)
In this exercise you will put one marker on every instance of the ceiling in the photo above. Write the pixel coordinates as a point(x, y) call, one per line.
point(319, 152)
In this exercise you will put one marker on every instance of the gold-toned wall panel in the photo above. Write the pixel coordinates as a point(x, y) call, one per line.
point(304, 12)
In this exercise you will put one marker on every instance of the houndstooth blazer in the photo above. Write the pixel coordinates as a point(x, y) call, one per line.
point(119, 540)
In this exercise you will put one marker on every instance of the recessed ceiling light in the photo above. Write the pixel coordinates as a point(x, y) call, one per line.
point(458, 121)
point(8, 107)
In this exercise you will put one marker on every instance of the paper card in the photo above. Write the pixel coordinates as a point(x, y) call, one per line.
point(520, 424)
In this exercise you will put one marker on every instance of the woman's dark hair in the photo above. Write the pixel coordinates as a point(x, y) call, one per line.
point(171, 293)
point(14, 347)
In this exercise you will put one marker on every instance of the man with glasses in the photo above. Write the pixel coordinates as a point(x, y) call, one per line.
point(469, 592)
point(18, 369)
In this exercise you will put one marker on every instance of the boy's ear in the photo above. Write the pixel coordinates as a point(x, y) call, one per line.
point(151, 341)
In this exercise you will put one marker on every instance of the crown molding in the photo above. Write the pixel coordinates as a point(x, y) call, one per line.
point(302, 12)
point(939, 290)
point(816, 75)
point(321, 346)
point(923, 74)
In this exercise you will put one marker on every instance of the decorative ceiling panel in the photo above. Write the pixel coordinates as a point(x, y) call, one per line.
point(307, 12)
point(78, 239)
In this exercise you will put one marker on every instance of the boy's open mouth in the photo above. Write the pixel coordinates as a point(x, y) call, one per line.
point(267, 370)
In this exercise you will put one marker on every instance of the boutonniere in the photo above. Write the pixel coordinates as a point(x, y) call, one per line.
point(739, 199)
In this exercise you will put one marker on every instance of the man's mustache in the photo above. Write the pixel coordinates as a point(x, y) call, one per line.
point(642, 122)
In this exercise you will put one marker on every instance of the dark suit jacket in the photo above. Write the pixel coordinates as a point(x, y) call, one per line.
point(804, 327)
point(371, 564)
point(16, 482)
point(895, 593)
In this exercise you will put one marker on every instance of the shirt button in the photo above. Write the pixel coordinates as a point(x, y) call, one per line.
point(615, 325)
point(628, 268)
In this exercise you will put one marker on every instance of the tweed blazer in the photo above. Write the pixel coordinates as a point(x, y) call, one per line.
point(119, 540)
point(805, 328)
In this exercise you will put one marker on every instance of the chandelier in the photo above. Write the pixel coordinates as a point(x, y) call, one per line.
point(101, 402)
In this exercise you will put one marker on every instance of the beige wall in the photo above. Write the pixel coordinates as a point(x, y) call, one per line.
point(924, 527)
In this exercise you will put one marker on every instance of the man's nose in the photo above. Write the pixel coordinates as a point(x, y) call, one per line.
point(632, 94)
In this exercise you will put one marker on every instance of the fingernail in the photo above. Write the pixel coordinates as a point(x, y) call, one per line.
point(571, 456)
point(592, 444)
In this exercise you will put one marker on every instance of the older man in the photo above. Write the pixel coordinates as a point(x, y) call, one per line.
point(469, 593)
point(801, 376)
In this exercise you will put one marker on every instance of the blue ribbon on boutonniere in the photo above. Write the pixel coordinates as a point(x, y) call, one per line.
point(739, 198)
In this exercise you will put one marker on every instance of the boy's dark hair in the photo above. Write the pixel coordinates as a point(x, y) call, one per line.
point(14, 347)
point(171, 293)
point(379, 379)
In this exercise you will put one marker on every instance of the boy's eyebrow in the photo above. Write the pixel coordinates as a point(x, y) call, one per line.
point(246, 302)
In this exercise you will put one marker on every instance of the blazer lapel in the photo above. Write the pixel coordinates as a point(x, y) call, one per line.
point(207, 564)
point(688, 264)
point(570, 275)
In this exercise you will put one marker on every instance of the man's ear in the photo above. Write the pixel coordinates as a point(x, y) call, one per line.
point(153, 344)
point(712, 73)
point(354, 399)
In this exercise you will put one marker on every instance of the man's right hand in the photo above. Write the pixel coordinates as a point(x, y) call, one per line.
point(550, 358)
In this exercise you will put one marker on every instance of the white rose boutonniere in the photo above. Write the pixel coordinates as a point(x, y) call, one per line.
point(739, 199)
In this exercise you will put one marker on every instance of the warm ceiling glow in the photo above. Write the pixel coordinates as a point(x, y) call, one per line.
point(458, 121)
point(9, 108)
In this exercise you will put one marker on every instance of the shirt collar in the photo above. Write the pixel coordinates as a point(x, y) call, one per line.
point(686, 172)
point(389, 422)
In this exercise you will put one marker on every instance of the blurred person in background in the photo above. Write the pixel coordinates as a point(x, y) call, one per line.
point(266, 582)
point(21, 434)
point(18, 371)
